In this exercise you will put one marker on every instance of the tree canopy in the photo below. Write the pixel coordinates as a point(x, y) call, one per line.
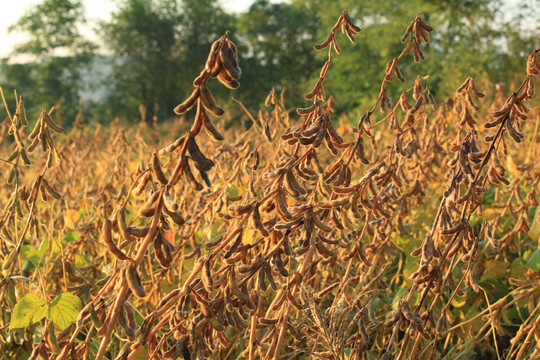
point(154, 48)
point(48, 66)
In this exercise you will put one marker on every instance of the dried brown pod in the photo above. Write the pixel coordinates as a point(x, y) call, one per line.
point(225, 78)
point(138, 232)
point(206, 276)
point(213, 58)
point(270, 276)
point(235, 244)
point(49, 190)
point(120, 218)
point(260, 280)
point(188, 103)
point(33, 145)
point(156, 166)
point(308, 110)
point(50, 123)
point(507, 106)
point(237, 210)
point(174, 215)
point(160, 251)
point(257, 223)
point(131, 325)
point(320, 224)
point(407, 32)
point(203, 163)
point(149, 207)
point(266, 132)
point(328, 289)
point(229, 62)
point(134, 282)
point(141, 183)
point(169, 202)
point(173, 146)
point(211, 129)
point(186, 170)
point(208, 101)
point(515, 134)
point(363, 256)
point(107, 238)
point(454, 229)
point(51, 338)
point(324, 43)
point(323, 250)
point(281, 266)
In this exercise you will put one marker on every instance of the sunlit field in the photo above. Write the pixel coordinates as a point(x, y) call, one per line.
point(410, 231)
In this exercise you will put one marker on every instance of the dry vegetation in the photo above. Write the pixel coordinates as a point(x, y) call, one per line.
point(407, 236)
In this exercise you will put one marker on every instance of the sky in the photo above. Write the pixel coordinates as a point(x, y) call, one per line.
point(11, 10)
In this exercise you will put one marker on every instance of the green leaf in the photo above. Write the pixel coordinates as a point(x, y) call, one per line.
point(30, 309)
point(459, 301)
point(68, 237)
point(518, 269)
point(71, 236)
point(534, 231)
point(232, 190)
point(28, 251)
point(489, 197)
point(44, 247)
point(494, 270)
point(399, 295)
point(81, 260)
point(534, 261)
point(33, 256)
point(30, 264)
point(65, 309)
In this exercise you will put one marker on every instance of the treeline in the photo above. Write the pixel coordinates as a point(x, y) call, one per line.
point(150, 50)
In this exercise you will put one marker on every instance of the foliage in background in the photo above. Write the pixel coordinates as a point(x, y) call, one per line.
point(277, 45)
point(152, 47)
point(471, 39)
point(156, 44)
point(50, 63)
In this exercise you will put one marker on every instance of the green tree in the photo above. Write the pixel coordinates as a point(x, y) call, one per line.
point(47, 67)
point(158, 47)
point(470, 38)
point(276, 43)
